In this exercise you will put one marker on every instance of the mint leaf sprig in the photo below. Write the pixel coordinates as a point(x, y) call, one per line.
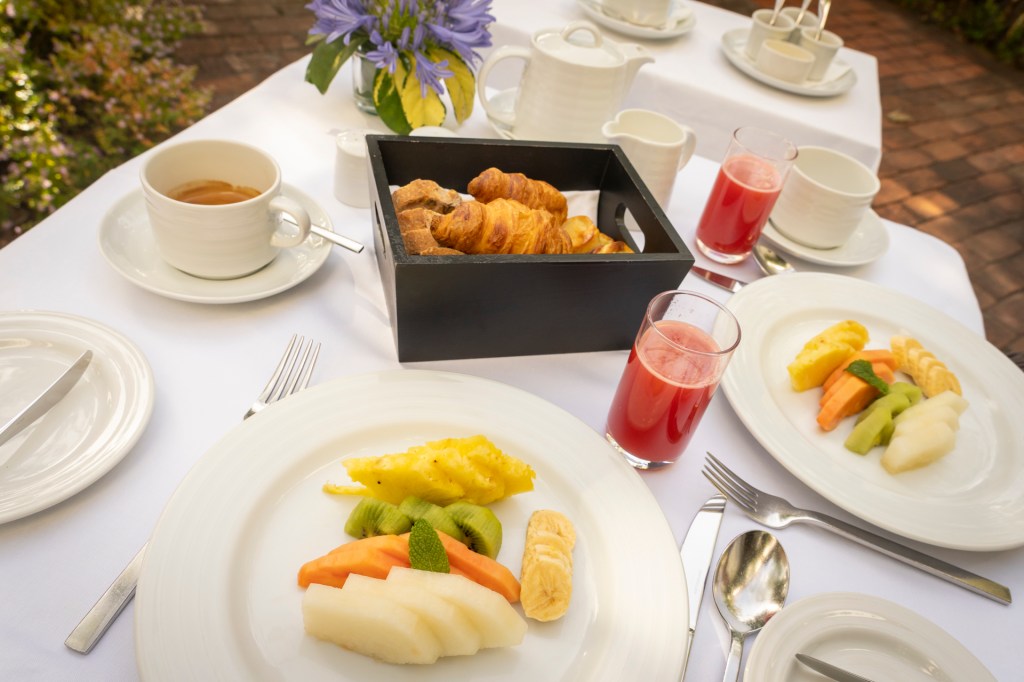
point(862, 369)
point(426, 553)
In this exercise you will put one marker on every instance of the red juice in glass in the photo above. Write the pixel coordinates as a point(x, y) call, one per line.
point(663, 392)
point(745, 190)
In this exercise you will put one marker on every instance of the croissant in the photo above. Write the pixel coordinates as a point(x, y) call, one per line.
point(425, 194)
point(501, 226)
point(494, 184)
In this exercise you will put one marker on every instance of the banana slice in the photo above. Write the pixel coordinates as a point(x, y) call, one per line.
point(927, 371)
point(546, 579)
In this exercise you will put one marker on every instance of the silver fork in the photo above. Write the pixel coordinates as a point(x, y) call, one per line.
point(775, 512)
point(291, 376)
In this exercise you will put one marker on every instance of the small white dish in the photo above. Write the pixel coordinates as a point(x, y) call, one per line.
point(681, 20)
point(783, 60)
point(128, 244)
point(864, 634)
point(90, 430)
point(503, 101)
point(839, 78)
point(869, 241)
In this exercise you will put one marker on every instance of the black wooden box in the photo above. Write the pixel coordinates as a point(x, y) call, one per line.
point(472, 306)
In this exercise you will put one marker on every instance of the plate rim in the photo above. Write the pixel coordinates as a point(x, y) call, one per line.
point(135, 420)
point(761, 653)
point(843, 84)
point(796, 464)
point(314, 404)
point(108, 226)
point(593, 11)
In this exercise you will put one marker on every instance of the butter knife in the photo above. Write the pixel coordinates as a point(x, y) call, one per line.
point(830, 671)
point(47, 399)
point(697, 552)
point(719, 280)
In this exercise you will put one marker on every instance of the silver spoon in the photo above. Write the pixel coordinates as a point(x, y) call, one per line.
point(823, 8)
point(770, 261)
point(750, 587)
point(803, 10)
point(775, 14)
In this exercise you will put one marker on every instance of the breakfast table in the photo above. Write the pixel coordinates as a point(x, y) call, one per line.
point(210, 356)
point(692, 81)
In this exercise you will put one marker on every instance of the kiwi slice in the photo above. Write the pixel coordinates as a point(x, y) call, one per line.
point(376, 517)
point(416, 509)
point(480, 526)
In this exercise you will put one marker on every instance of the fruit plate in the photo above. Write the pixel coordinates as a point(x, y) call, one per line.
point(971, 499)
point(218, 598)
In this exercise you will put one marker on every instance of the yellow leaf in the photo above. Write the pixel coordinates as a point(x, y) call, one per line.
point(461, 85)
point(419, 110)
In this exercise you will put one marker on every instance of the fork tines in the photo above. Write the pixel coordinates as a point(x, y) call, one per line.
point(727, 482)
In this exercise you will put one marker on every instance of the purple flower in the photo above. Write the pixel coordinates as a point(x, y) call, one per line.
point(336, 18)
point(430, 74)
point(384, 54)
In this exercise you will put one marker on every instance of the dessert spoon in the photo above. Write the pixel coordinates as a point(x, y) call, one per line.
point(770, 261)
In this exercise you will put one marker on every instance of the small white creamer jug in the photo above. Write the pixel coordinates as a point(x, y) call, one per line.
point(575, 79)
point(657, 146)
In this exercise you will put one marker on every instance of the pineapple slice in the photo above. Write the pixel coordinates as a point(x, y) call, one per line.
point(822, 354)
point(370, 624)
point(443, 471)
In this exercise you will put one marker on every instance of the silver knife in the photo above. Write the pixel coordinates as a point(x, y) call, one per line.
point(719, 280)
point(697, 552)
point(47, 399)
point(829, 670)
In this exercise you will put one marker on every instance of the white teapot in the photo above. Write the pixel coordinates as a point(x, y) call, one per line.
point(570, 86)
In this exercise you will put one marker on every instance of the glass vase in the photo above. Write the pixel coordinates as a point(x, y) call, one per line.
point(363, 73)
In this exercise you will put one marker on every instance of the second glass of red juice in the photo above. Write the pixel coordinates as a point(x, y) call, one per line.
point(680, 353)
point(748, 183)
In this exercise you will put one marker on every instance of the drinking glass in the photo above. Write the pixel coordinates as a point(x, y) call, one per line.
point(748, 183)
point(680, 353)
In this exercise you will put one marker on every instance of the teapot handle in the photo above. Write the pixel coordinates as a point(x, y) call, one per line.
point(689, 145)
point(503, 52)
point(581, 25)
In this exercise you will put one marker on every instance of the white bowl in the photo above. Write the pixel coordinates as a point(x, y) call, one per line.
point(784, 60)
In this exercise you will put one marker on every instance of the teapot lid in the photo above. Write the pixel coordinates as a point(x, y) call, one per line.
point(572, 44)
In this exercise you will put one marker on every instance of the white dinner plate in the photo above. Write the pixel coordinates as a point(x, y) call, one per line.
point(866, 635)
point(218, 597)
point(839, 77)
point(972, 499)
point(90, 430)
point(867, 243)
point(128, 244)
point(681, 20)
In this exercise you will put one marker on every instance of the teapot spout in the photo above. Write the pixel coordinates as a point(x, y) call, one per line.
point(636, 56)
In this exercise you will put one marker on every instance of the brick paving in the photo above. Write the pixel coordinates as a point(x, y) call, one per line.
point(952, 129)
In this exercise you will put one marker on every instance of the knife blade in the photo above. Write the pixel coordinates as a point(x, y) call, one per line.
point(719, 280)
point(697, 552)
point(829, 670)
point(47, 399)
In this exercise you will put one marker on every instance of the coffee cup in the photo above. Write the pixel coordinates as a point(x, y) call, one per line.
point(783, 60)
point(823, 47)
point(761, 29)
point(214, 207)
point(655, 145)
point(824, 198)
point(640, 12)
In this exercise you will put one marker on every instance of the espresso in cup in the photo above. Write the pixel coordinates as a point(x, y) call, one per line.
point(215, 208)
point(212, 193)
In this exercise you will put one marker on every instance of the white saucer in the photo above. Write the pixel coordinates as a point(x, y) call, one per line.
point(129, 246)
point(90, 430)
point(505, 102)
point(839, 78)
point(867, 243)
point(681, 20)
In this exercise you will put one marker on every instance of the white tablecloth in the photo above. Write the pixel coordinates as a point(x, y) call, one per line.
point(209, 362)
point(692, 82)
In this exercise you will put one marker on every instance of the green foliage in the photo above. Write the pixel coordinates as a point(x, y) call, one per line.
point(996, 24)
point(84, 86)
